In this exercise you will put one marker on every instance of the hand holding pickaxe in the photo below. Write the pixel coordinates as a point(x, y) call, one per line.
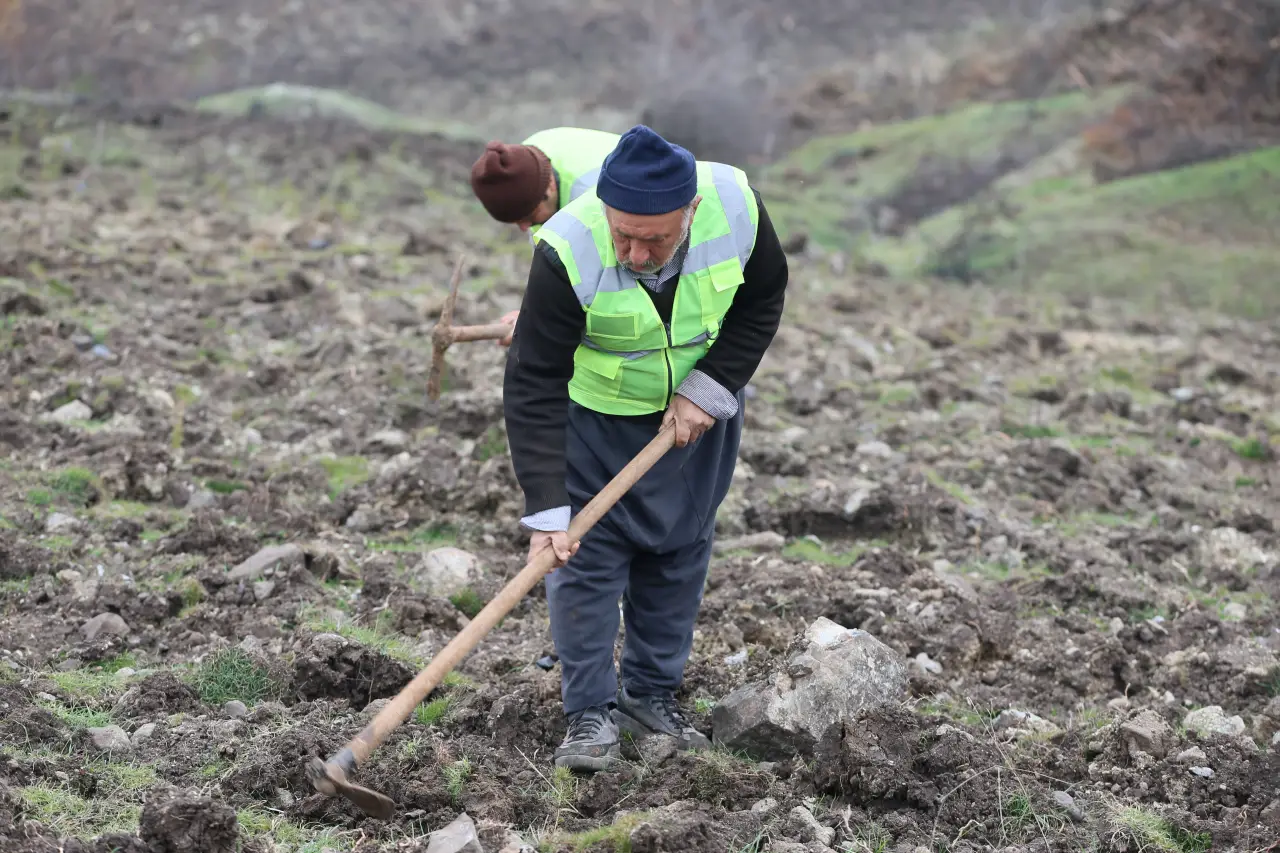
point(445, 334)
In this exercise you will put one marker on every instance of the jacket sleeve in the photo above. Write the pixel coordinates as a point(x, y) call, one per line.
point(535, 388)
point(749, 325)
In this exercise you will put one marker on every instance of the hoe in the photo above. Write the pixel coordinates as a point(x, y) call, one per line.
point(334, 776)
point(445, 334)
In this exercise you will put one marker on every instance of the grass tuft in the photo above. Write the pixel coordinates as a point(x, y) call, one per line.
point(232, 674)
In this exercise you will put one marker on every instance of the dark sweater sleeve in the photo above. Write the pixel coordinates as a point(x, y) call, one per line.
point(535, 386)
point(753, 318)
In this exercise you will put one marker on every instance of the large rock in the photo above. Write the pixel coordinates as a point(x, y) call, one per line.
point(840, 672)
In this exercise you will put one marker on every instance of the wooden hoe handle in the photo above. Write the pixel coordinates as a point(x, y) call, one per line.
point(332, 777)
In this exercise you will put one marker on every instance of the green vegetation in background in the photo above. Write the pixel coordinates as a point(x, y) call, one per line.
point(823, 186)
point(291, 100)
point(1204, 234)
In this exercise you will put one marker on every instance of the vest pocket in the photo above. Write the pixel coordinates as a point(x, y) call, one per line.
point(622, 328)
point(596, 373)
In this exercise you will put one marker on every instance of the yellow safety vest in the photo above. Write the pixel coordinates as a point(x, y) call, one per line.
point(629, 362)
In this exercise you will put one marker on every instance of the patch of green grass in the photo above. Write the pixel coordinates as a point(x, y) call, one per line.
point(433, 712)
point(1020, 817)
point(59, 542)
point(492, 443)
point(345, 472)
point(232, 674)
point(456, 776)
point(468, 601)
point(703, 705)
point(1145, 830)
point(39, 497)
point(423, 539)
point(1245, 482)
point(284, 836)
point(618, 834)
point(1250, 448)
point(68, 814)
point(77, 486)
point(225, 487)
point(816, 552)
point(78, 715)
point(1030, 430)
point(379, 637)
point(869, 838)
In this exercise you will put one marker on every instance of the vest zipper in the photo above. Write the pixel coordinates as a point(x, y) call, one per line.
point(666, 355)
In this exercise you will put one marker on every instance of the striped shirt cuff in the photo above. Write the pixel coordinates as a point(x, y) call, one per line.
point(549, 520)
point(708, 395)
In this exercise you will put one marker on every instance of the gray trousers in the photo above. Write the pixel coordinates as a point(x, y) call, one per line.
point(651, 549)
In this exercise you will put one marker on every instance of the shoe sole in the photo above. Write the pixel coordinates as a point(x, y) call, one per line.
point(637, 729)
point(590, 763)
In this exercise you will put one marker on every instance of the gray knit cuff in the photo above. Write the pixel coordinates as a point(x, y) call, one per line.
point(549, 520)
point(708, 395)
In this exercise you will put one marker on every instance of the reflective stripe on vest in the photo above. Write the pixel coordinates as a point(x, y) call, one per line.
point(629, 362)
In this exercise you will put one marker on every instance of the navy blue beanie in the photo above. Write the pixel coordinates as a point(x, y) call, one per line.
point(647, 175)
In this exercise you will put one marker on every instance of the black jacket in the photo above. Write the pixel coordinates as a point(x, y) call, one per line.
point(550, 327)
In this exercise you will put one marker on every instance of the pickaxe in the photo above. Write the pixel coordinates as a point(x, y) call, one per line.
point(445, 334)
point(334, 776)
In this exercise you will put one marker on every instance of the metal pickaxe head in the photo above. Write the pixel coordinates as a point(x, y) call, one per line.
point(330, 778)
point(445, 334)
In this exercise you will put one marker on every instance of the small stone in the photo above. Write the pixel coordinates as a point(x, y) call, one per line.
point(1025, 724)
point(802, 824)
point(362, 520)
point(1120, 703)
point(1191, 755)
point(1147, 732)
point(1235, 612)
point(876, 449)
point(125, 672)
point(143, 732)
point(389, 441)
point(767, 541)
point(104, 623)
point(447, 571)
point(60, 522)
point(271, 556)
point(1203, 772)
point(1211, 720)
point(262, 590)
point(1065, 802)
point(766, 806)
point(110, 739)
point(458, 837)
point(71, 412)
point(656, 749)
point(235, 709)
point(928, 664)
point(201, 499)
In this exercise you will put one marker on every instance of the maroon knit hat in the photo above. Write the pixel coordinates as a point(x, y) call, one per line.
point(510, 180)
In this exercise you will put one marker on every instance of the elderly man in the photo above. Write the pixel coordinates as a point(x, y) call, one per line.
point(525, 184)
point(649, 302)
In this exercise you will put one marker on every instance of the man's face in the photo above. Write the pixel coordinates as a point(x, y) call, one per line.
point(644, 243)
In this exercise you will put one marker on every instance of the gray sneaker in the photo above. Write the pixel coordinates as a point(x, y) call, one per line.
point(591, 743)
point(657, 715)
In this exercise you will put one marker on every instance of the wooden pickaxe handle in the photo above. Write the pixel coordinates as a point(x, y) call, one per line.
point(332, 776)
